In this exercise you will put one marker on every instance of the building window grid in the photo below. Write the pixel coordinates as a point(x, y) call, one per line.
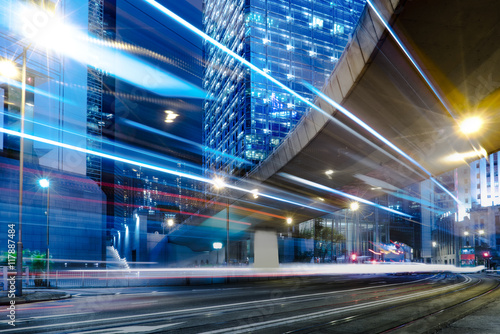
point(271, 26)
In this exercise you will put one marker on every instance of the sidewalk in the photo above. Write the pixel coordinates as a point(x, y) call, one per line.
point(484, 320)
point(31, 296)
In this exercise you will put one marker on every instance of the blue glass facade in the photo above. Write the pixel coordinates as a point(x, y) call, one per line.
point(248, 116)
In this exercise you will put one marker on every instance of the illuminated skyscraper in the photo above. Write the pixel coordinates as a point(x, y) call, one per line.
point(246, 116)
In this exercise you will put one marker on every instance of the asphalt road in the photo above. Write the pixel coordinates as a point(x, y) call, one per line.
point(340, 304)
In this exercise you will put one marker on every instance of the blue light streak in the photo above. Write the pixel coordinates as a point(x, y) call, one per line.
point(133, 149)
point(149, 166)
point(340, 193)
point(200, 33)
point(378, 136)
point(190, 142)
point(412, 60)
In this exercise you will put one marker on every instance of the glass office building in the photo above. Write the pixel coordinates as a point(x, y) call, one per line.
point(246, 116)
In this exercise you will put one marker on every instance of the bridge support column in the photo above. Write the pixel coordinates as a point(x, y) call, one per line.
point(265, 248)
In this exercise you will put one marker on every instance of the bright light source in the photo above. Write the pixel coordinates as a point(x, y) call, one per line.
point(466, 232)
point(8, 69)
point(481, 231)
point(171, 116)
point(354, 206)
point(255, 193)
point(476, 154)
point(289, 221)
point(217, 245)
point(329, 172)
point(471, 125)
point(44, 183)
point(170, 222)
point(321, 199)
point(434, 244)
point(218, 183)
point(354, 257)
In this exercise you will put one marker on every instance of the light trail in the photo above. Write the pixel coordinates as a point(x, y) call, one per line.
point(200, 33)
point(132, 149)
point(149, 166)
point(411, 59)
point(380, 137)
point(186, 141)
point(340, 193)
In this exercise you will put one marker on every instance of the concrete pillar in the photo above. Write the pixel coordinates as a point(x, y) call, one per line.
point(265, 249)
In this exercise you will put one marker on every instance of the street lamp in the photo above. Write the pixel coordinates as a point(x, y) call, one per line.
point(44, 183)
point(170, 222)
point(354, 206)
point(217, 246)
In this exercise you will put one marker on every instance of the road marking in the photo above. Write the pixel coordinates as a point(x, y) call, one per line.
point(298, 318)
point(131, 329)
point(46, 316)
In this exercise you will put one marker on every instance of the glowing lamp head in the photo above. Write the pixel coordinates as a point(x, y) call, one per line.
point(354, 206)
point(471, 125)
point(466, 233)
point(289, 221)
point(8, 69)
point(170, 222)
point(44, 183)
point(218, 183)
point(217, 245)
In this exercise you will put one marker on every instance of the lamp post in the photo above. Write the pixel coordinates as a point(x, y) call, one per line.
point(44, 183)
point(354, 206)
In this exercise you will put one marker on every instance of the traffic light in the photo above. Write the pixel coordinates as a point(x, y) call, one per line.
point(486, 254)
point(354, 257)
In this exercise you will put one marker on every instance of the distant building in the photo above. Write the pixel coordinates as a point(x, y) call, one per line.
point(247, 116)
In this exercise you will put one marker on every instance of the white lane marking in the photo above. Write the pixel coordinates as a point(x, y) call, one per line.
point(46, 316)
point(207, 308)
point(131, 329)
point(298, 318)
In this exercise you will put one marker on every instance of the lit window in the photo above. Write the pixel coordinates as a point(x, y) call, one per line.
point(317, 22)
point(338, 29)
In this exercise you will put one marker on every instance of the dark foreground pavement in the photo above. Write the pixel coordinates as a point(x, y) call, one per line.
point(31, 296)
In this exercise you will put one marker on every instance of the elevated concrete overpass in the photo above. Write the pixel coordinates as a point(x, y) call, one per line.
point(455, 44)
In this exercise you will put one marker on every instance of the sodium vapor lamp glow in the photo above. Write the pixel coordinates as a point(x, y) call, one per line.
point(471, 125)
point(255, 193)
point(354, 206)
point(218, 183)
point(329, 172)
point(8, 69)
point(289, 221)
point(171, 116)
